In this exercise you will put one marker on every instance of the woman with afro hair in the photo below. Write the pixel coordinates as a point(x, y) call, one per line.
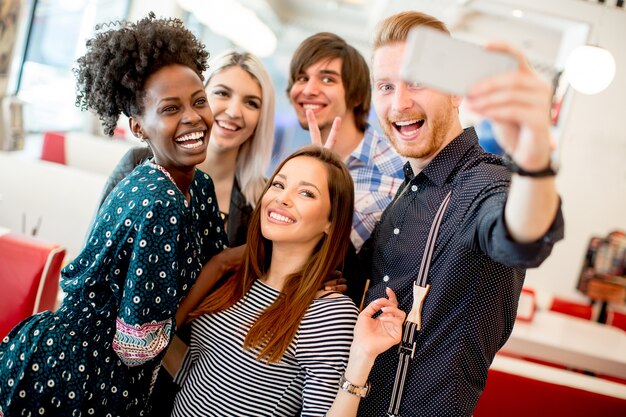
point(100, 352)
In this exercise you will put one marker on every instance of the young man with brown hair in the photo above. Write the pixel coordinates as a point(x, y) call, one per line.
point(331, 79)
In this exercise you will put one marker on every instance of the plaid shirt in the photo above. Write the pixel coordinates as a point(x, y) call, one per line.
point(377, 173)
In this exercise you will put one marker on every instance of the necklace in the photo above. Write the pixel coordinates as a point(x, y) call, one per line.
point(163, 170)
point(169, 176)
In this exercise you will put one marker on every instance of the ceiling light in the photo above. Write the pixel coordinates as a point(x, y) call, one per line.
point(590, 69)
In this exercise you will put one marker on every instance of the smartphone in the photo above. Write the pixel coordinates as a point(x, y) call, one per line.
point(436, 60)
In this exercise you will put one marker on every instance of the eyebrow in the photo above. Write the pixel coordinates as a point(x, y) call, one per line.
point(323, 71)
point(301, 182)
point(330, 72)
point(178, 98)
point(222, 86)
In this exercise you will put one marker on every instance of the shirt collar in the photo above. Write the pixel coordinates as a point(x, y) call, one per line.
point(361, 155)
point(444, 163)
point(358, 155)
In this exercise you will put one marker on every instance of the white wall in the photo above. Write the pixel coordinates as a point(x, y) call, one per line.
point(61, 199)
point(592, 180)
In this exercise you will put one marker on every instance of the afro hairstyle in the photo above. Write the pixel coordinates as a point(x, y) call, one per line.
point(111, 75)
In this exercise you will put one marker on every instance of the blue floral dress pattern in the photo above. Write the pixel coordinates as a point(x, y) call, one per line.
point(99, 353)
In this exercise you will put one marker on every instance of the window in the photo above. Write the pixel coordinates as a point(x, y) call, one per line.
point(57, 37)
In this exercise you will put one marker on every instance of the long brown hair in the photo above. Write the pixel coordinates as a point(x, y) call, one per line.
point(277, 326)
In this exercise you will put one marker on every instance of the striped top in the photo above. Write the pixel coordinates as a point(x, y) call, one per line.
point(220, 378)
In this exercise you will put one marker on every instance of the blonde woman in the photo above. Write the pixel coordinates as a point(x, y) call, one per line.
point(241, 96)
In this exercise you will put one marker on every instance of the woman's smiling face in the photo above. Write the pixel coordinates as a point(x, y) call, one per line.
point(296, 206)
point(177, 119)
point(235, 98)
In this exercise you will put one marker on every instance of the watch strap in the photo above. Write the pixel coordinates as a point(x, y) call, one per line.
point(548, 171)
point(350, 388)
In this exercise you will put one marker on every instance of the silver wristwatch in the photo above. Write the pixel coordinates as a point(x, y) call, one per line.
point(357, 390)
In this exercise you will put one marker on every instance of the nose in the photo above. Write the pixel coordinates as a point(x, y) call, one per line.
point(311, 87)
point(402, 99)
point(233, 109)
point(192, 117)
point(208, 118)
point(283, 199)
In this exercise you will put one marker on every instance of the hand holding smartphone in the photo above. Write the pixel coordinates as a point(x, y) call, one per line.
point(436, 60)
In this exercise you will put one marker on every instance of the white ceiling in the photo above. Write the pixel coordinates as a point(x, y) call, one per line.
point(532, 26)
point(538, 36)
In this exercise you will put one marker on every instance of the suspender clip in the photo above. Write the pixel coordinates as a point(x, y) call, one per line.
point(419, 295)
point(406, 349)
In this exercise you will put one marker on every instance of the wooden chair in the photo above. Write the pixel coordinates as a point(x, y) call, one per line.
point(29, 278)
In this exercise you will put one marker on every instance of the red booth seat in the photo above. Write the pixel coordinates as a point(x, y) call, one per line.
point(517, 388)
point(571, 308)
point(616, 318)
point(53, 147)
point(29, 278)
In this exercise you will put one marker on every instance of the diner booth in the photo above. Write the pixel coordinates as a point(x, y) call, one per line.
point(567, 352)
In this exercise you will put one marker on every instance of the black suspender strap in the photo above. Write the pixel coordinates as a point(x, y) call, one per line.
point(413, 321)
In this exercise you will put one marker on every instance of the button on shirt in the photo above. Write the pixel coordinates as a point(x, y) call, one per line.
point(377, 172)
point(476, 276)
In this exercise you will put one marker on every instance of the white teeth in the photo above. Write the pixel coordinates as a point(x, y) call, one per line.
point(227, 126)
point(407, 122)
point(280, 218)
point(312, 106)
point(191, 140)
point(192, 145)
point(190, 136)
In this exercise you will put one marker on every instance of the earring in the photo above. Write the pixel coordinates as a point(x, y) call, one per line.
point(140, 136)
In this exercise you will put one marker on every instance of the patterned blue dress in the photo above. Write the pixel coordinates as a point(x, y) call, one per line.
point(100, 352)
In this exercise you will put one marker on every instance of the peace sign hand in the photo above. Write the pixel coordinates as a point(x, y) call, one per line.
point(316, 135)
